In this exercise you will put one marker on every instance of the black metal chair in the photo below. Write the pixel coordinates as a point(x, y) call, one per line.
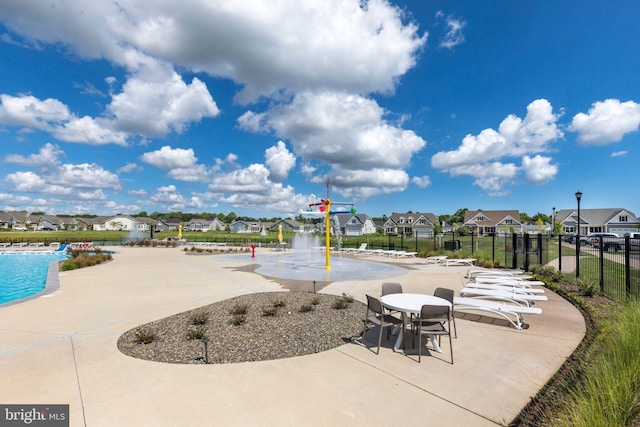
point(377, 316)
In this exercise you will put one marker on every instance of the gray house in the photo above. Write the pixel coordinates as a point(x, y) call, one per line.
point(411, 224)
point(609, 220)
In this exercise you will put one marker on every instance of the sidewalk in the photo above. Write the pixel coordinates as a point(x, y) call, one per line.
point(61, 348)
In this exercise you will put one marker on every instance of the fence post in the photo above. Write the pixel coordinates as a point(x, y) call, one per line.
point(627, 265)
point(601, 262)
point(514, 243)
point(559, 252)
point(525, 243)
point(539, 249)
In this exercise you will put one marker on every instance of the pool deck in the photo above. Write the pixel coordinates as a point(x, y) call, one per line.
point(61, 349)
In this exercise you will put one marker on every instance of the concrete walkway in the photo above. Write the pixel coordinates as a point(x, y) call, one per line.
point(61, 348)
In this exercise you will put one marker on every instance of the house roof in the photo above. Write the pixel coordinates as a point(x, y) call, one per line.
point(484, 218)
point(596, 216)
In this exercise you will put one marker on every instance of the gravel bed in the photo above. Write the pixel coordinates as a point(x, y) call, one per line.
point(275, 326)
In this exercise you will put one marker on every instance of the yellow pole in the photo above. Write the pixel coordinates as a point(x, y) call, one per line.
point(327, 234)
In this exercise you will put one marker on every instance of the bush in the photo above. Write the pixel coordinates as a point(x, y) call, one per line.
point(306, 308)
point(239, 310)
point(196, 333)
point(269, 311)
point(587, 287)
point(145, 336)
point(199, 318)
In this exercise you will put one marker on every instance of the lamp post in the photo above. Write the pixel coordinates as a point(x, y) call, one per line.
point(578, 197)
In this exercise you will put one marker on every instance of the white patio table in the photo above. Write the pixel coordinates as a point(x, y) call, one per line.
point(407, 303)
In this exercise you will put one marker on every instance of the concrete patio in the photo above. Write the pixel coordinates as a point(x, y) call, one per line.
point(61, 349)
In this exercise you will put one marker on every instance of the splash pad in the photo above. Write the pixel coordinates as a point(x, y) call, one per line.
point(305, 261)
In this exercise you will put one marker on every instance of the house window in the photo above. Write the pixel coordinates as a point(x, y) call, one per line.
point(353, 221)
point(401, 221)
point(410, 220)
point(389, 229)
point(480, 218)
point(622, 218)
point(509, 221)
point(569, 229)
point(489, 230)
point(422, 221)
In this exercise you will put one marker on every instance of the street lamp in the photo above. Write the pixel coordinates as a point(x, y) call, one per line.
point(578, 197)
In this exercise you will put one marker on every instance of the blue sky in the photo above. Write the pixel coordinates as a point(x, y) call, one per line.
point(251, 106)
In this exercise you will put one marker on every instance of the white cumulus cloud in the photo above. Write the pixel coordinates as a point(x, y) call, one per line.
point(606, 122)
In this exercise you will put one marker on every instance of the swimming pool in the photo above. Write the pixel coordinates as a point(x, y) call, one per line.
point(24, 274)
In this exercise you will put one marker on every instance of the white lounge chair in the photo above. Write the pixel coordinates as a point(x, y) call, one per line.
point(499, 295)
point(508, 281)
point(504, 287)
point(459, 261)
point(354, 250)
point(511, 312)
point(435, 259)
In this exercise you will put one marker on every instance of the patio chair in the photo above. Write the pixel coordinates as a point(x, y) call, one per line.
point(434, 320)
point(376, 316)
point(448, 294)
point(393, 288)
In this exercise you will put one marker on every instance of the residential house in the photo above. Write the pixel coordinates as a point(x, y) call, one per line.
point(292, 225)
point(125, 223)
point(243, 226)
point(609, 220)
point(487, 223)
point(534, 227)
point(411, 224)
point(352, 224)
point(16, 220)
point(50, 223)
point(208, 224)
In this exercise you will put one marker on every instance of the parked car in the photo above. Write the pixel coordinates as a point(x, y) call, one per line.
point(571, 238)
point(615, 244)
point(594, 238)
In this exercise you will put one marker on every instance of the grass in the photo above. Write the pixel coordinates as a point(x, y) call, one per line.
point(608, 393)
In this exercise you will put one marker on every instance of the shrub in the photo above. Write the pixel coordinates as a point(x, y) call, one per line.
point(340, 304)
point(306, 308)
point(315, 301)
point(279, 304)
point(68, 264)
point(348, 298)
point(145, 336)
point(269, 311)
point(587, 287)
point(238, 319)
point(239, 310)
point(199, 318)
point(196, 333)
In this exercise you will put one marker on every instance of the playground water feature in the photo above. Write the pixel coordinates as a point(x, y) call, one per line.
point(306, 261)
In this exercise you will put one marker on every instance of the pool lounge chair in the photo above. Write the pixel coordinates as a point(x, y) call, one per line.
point(510, 312)
point(505, 287)
point(458, 261)
point(500, 295)
point(354, 251)
point(435, 259)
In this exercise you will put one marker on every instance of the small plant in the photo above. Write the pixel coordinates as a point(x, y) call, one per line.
point(278, 304)
point(306, 308)
point(343, 302)
point(238, 319)
point(145, 336)
point(199, 318)
point(196, 333)
point(315, 301)
point(239, 310)
point(348, 298)
point(588, 288)
point(269, 311)
point(340, 304)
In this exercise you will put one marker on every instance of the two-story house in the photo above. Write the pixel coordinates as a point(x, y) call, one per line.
point(411, 224)
point(487, 223)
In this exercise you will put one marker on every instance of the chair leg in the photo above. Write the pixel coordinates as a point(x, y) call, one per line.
point(419, 344)
point(379, 339)
point(455, 331)
point(451, 347)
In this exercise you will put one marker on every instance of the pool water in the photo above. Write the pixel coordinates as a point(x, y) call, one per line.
point(24, 275)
